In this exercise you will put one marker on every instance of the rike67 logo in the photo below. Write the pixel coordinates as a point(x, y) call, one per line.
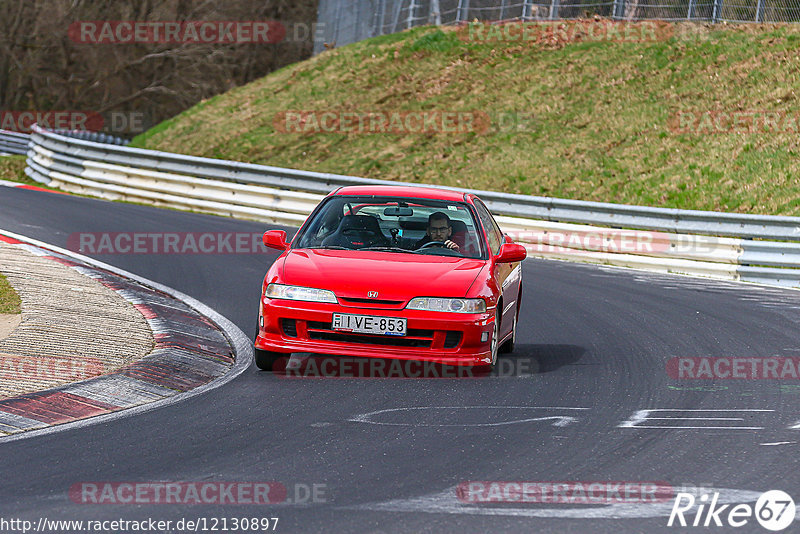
point(774, 510)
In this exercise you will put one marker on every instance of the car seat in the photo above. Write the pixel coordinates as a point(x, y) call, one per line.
point(357, 231)
point(460, 236)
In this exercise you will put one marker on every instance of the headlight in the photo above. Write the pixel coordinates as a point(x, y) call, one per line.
point(280, 291)
point(447, 305)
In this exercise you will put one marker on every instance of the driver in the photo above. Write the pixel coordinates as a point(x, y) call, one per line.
point(439, 229)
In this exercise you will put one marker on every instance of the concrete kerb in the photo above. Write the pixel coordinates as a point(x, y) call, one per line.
point(114, 385)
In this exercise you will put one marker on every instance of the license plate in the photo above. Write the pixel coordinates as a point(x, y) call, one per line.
point(369, 324)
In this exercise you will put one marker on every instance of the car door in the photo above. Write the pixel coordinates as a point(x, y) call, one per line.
point(507, 276)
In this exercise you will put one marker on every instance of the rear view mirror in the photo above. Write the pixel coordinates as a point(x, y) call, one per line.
point(398, 211)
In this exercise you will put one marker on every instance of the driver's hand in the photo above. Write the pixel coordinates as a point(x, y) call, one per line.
point(451, 245)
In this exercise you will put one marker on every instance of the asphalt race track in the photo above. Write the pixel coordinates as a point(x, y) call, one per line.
point(591, 356)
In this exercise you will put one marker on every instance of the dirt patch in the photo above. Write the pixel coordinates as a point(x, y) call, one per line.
point(73, 327)
point(8, 323)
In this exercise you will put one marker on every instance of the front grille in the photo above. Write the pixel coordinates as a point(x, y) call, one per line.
point(372, 301)
point(394, 341)
point(415, 337)
point(289, 327)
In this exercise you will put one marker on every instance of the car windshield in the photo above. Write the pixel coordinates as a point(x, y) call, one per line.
point(393, 224)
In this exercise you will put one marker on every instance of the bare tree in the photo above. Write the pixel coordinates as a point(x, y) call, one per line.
point(43, 67)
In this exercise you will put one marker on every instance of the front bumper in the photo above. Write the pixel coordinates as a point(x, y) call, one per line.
point(445, 338)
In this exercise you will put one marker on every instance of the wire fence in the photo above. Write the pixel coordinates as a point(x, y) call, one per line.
point(347, 21)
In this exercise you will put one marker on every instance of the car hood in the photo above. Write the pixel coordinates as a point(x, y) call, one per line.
point(395, 276)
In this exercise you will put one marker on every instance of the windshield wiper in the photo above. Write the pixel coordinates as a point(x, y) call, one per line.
point(386, 249)
point(331, 247)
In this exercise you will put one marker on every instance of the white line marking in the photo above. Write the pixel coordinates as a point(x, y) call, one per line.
point(703, 427)
point(560, 420)
point(641, 416)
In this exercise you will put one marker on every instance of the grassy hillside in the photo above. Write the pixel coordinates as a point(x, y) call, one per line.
point(596, 115)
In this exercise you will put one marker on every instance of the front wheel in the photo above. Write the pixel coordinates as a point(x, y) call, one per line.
point(508, 346)
point(495, 340)
point(265, 359)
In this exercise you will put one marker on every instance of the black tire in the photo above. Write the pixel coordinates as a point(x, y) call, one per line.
point(508, 346)
point(495, 340)
point(265, 359)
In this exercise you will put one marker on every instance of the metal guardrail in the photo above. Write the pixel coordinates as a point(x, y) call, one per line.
point(14, 142)
point(17, 143)
point(97, 137)
point(725, 245)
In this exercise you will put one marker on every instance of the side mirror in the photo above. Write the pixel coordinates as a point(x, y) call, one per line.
point(275, 239)
point(511, 253)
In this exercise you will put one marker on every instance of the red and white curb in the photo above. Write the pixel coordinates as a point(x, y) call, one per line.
point(7, 183)
point(196, 349)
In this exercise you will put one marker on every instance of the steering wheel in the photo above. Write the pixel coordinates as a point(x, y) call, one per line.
point(433, 244)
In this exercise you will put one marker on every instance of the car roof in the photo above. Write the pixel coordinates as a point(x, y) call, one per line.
point(403, 191)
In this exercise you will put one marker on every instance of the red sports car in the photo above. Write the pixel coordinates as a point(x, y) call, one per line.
point(412, 273)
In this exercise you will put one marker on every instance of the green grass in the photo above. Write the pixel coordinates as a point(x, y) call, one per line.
point(12, 169)
point(592, 117)
point(9, 300)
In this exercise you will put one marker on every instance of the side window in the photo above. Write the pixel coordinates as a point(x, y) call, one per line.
point(493, 233)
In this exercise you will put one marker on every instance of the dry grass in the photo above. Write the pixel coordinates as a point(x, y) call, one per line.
point(594, 115)
point(12, 169)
